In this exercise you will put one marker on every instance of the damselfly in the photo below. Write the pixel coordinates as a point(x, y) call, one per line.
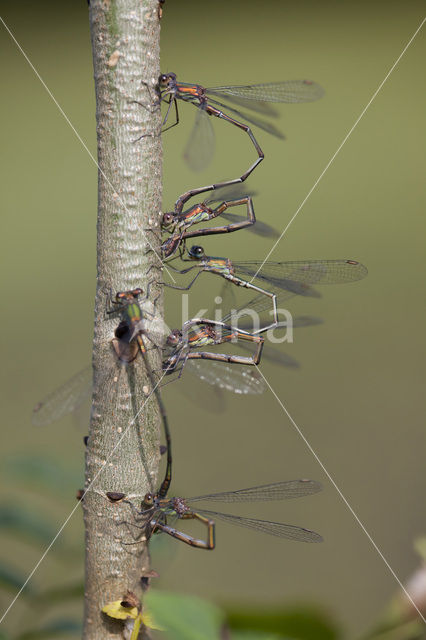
point(291, 276)
point(255, 97)
point(178, 223)
point(156, 513)
point(202, 332)
point(128, 341)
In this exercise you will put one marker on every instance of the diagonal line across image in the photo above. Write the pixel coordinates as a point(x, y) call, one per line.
point(107, 180)
point(339, 491)
point(339, 148)
point(68, 518)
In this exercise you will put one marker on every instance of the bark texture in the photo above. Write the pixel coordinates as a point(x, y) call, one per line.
point(123, 448)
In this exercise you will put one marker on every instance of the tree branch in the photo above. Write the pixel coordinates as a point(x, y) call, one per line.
point(123, 447)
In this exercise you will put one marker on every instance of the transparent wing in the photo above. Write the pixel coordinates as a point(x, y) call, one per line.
point(262, 124)
point(227, 300)
point(235, 378)
point(231, 192)
point(306, 321)
point(307, 272)
point(259, 228)
point(211, 399)
point(287, 531)
point(200, 147)
point(65, 399)
point(74, 392)
point(255, 105)
point(274, 355)
point(275, 491)
point(157, 330)
point(289, 91)
point(235, 192)
point(261, 303)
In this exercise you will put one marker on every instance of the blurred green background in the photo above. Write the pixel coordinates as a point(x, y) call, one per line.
point(358, 396)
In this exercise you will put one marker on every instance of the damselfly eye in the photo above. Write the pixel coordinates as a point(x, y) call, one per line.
point(163, 78)
point(196, 251)
point(137, 292)
point(173, 337)
point(167, 219)
point(148, 500)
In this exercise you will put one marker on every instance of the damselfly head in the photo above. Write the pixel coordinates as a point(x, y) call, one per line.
point(124, 296)
point(167, 80)
point(174, 337)
point(167, 219)
point(128, 296)
point(148, 501)
point(196, 252)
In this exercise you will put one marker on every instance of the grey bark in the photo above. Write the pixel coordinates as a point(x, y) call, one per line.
point(123, 448)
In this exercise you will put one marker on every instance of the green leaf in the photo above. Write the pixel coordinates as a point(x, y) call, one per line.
point(31, 526)
point(12, 580)
point(52, 630)
point(298, 623)
point(184, 617)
